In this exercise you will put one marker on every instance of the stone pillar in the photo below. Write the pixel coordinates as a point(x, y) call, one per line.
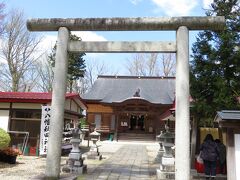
point(182, 137)
point(58, 104)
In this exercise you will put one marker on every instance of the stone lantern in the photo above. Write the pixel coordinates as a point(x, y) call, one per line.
point(167, 164)
point(75, 160)
point(167, 139)
point(94, 151)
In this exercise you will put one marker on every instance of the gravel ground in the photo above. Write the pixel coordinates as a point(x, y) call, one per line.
point(32, 167)
point(25, 168)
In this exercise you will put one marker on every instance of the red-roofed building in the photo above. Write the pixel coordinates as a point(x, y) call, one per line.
point(21, 111)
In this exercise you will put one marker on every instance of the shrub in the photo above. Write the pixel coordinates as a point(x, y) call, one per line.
point(83, 121)
point(4, 139)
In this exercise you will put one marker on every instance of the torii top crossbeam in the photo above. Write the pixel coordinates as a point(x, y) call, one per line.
point(127, 24)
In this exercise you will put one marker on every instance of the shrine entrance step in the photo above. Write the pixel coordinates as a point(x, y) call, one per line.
point(136, 137)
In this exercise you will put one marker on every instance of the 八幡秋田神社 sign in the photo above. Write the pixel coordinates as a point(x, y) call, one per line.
point(45, 124)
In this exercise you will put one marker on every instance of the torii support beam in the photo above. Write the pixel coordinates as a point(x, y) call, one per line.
point(180, 24)
point(122, 46)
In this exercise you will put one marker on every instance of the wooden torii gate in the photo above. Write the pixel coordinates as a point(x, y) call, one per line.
point(181, 25)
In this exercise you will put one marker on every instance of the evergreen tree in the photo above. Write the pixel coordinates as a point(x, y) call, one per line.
point(215, 65)
point(76, 64)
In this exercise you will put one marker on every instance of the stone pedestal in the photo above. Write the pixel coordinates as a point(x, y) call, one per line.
point(94, 155)
point(160, 155)
point(75, 167)
point(94, 151)
point(167, 168)
point(75, 162)
point(165, 175)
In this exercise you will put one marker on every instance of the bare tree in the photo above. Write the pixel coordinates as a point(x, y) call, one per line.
point(136, 64)
point(168, 63)
point(2, 15)
point(143, 64)
point(151, 65)
point(93, 69)
point(29, 80)
point(18, 52)
point(45, 74)
point(81, 85)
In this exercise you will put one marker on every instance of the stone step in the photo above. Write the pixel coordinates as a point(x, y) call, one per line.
point(136, 136)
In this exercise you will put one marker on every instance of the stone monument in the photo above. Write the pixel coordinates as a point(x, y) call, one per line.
point(74, 163)
point(94, 151)
point(167, 161)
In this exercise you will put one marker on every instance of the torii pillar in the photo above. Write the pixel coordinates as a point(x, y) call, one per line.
point(181, 25)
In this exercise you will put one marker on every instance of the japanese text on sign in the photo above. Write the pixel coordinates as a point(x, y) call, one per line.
point(45, 124)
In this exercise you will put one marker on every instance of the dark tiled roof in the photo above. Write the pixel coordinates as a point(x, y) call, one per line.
point(228, 115)
point(156, 90)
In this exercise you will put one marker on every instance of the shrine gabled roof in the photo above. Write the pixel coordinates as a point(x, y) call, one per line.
point(116, 89)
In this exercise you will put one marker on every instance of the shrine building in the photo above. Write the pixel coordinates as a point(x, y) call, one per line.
point(125, 105)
